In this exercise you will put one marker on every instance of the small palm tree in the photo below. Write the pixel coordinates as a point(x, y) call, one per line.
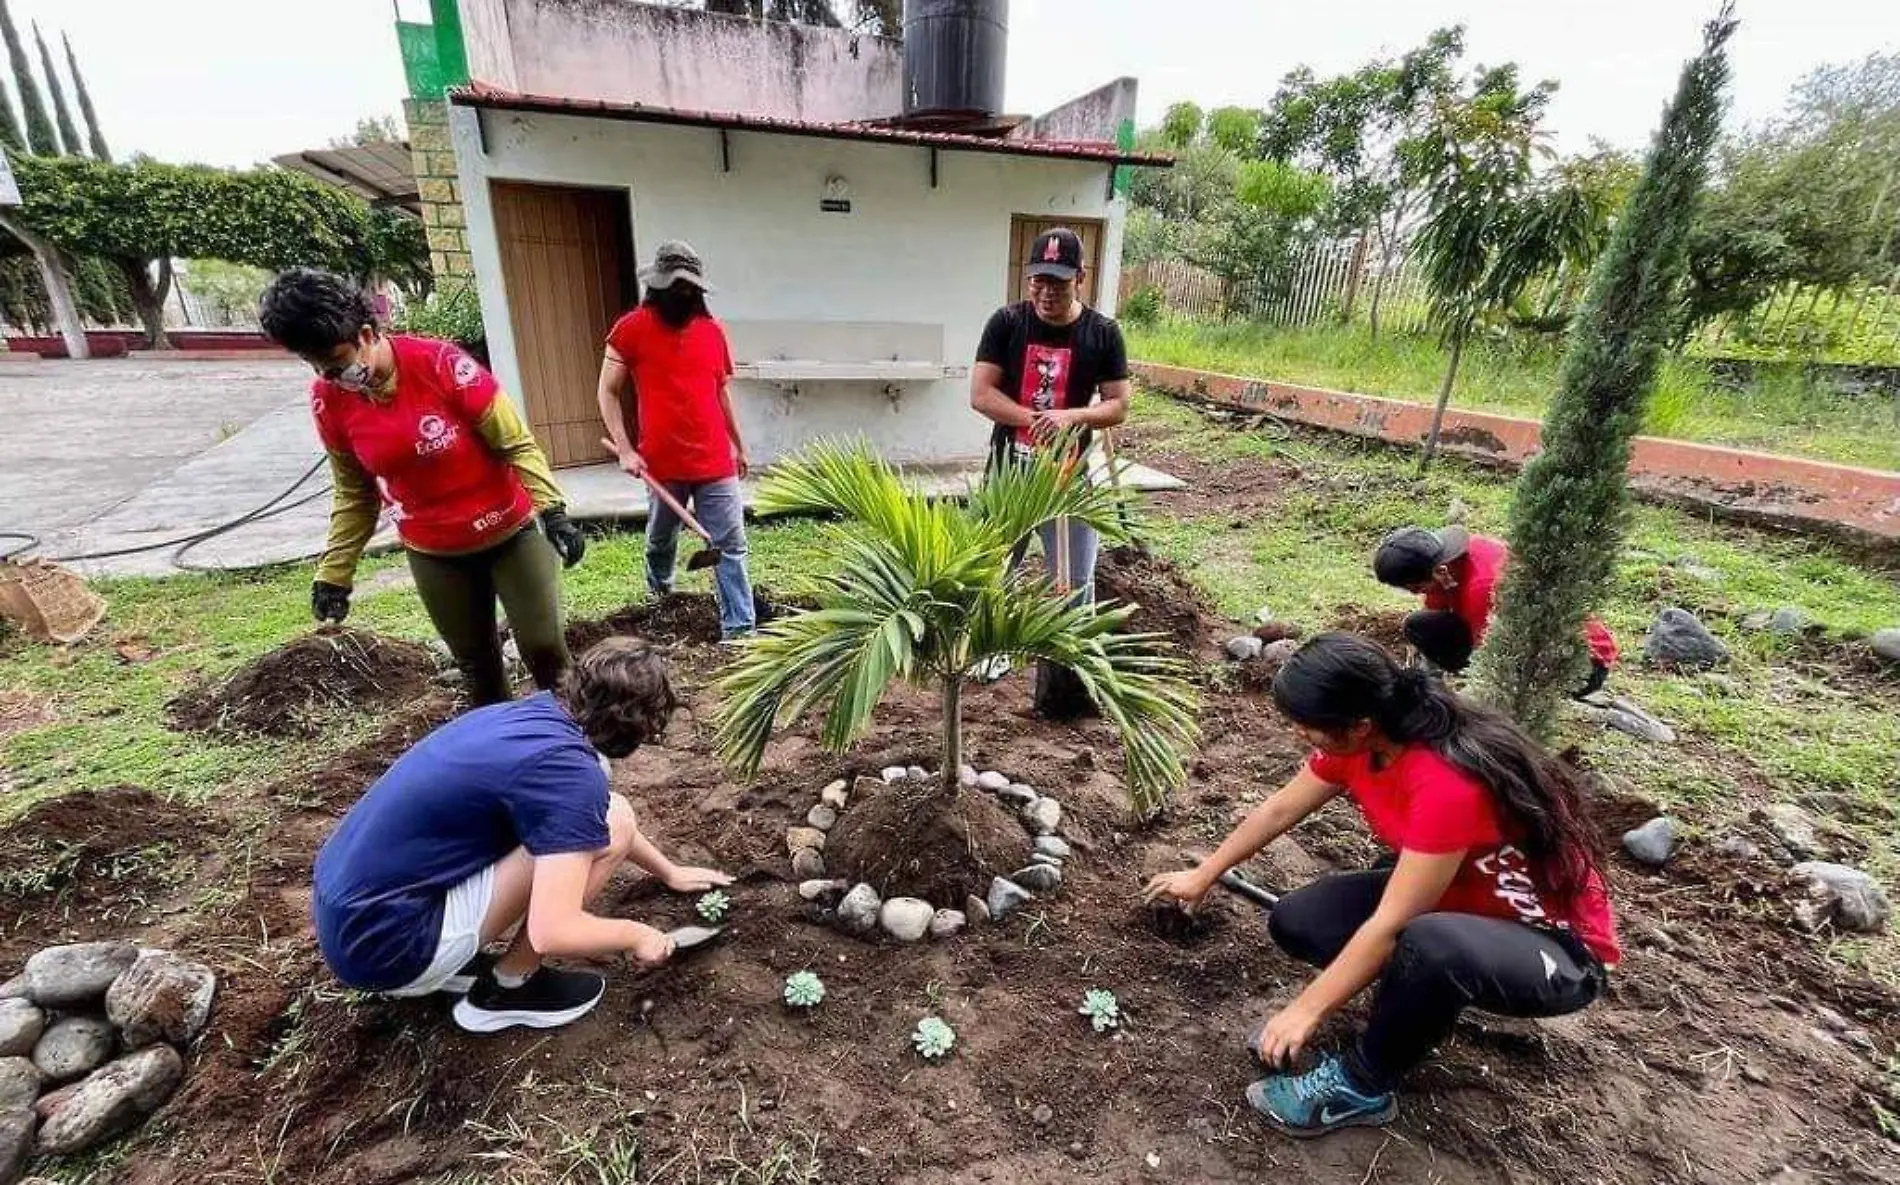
point(922, 591)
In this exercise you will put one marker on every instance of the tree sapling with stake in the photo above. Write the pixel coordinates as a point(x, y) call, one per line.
point(713, 907)
point(933, 1038)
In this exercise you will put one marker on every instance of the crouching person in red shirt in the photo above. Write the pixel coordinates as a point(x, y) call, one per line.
point(419, 426)
point(1495, 901)
point(1457, 573)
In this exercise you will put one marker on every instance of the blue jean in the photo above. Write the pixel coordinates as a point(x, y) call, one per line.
point(719, 509)
point(1084, 543)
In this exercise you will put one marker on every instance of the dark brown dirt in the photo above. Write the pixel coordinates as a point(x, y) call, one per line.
point(1167, 603)
point(91, 861)
point(903, 840)
point(1386, 627)
point(294, 689)
point(682, 617)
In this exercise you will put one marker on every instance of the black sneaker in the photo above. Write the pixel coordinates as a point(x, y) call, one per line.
point(549, 999)
point(460, 983)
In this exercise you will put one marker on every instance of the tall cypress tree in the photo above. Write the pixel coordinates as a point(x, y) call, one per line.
point(98, 138)
point(40, 136)
point(1570, 508)
point(68, 134)
point(10, 136)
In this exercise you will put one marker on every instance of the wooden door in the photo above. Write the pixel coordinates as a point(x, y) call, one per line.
point(567, 262)
point(1023, 230)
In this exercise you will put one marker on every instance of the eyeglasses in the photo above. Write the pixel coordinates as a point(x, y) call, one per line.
point(1053, 283)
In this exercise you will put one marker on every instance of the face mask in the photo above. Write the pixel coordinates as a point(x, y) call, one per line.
point(355, 377)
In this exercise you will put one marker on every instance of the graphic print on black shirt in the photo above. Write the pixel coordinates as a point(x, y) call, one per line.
point(1047, 367)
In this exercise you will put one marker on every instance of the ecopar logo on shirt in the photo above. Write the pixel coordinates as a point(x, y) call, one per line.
point(435, 434)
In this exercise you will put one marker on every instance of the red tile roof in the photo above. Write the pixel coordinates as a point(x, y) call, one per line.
point(491, 98)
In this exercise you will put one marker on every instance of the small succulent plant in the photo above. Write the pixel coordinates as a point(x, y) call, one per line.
point(803, 989)
point(1102, 1009)
point(713, 906)
point(933, 1038)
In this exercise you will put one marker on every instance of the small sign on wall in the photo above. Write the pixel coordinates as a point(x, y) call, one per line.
point(837, 197)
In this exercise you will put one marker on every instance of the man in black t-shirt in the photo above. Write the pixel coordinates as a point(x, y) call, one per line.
point(1039, 369)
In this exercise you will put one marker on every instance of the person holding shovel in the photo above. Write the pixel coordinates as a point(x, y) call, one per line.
point(420, 426)
point(503, 820)
point(1044, 366)
point(1457, 575)
point(1495, 901)
point(684, 439)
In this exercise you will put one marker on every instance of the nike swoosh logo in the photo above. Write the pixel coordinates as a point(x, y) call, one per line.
point(1327, 1118)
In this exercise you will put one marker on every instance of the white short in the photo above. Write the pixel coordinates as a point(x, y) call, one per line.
point(463, 911)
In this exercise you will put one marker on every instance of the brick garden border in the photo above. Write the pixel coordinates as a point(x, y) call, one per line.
point(1862, 505)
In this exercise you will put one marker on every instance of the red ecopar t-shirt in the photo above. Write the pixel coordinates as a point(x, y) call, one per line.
point(447, 490)
point(1423, 803)
point(1477, 573)
point(677, 377)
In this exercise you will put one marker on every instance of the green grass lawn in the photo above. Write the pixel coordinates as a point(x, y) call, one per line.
point(1780, 412)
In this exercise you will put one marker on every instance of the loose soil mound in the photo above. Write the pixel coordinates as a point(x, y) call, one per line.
point(293, 689)
point(1386, 627)
point(94, 857)
point(1167, 602)
point(903, 841)
point(688, 618)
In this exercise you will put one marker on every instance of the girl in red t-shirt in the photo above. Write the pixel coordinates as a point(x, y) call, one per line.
point(1494, 902)
point(419, 427)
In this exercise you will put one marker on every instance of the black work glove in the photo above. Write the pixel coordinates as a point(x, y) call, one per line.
point(563, 535)
point(329, 602)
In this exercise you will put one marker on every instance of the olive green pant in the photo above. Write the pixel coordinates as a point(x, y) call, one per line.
point(459, 592)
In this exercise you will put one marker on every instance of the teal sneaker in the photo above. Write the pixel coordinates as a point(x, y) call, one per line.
point(1319, 1101)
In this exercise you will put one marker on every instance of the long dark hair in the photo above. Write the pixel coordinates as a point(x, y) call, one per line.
point(678, 304)
point(1337, 680)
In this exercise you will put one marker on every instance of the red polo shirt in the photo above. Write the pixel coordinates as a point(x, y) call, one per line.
point(678, 375)
point(1478, 572)
point(1423, 803)
point(446, 489)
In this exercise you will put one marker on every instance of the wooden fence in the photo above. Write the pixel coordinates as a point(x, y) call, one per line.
point(1315, 289)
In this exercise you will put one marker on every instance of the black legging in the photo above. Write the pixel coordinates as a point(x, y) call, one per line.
point(1445, 640)
point(1443, 964)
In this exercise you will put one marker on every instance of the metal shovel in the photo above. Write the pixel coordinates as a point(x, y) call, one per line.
point(706, 556)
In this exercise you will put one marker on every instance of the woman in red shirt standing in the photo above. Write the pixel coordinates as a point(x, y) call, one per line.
point(684, 434)
point(1495, 901)
point(420, 426)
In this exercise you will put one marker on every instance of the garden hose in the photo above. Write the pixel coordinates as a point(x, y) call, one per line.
point(185, 543)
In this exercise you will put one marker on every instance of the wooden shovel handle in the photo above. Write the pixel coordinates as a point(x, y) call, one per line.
point(672, 503)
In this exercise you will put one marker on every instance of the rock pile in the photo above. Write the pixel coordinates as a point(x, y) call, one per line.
point(858, 909)
point(89, 1044)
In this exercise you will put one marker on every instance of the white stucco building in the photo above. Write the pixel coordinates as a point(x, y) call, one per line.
point(856, 256)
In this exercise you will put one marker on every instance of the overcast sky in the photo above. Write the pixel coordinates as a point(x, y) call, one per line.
point(233, 82)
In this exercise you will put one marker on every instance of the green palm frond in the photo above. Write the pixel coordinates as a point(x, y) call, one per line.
point(922, 590)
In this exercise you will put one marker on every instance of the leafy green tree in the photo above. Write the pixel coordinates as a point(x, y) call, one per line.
point(96, 137)
point(142, 215)
point(1236, 129)
point(371, 129)
point(11, 138)
point(68, 134)
point(40, 136)
point(1181, 126)
point(1808, 200)
point(1492, 228)
point(1369, 131)
point(1570, 509)
point(922, 592)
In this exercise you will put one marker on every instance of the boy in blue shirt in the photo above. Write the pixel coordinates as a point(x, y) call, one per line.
point(503, 819)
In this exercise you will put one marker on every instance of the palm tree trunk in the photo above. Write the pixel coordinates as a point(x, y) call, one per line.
point(1444, 397)
point(947, 779)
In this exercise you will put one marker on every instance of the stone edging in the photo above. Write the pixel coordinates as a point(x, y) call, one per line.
point(1804, 495)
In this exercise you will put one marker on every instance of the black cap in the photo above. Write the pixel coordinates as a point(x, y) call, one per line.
point(1057, 253)
point(1409, 554)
